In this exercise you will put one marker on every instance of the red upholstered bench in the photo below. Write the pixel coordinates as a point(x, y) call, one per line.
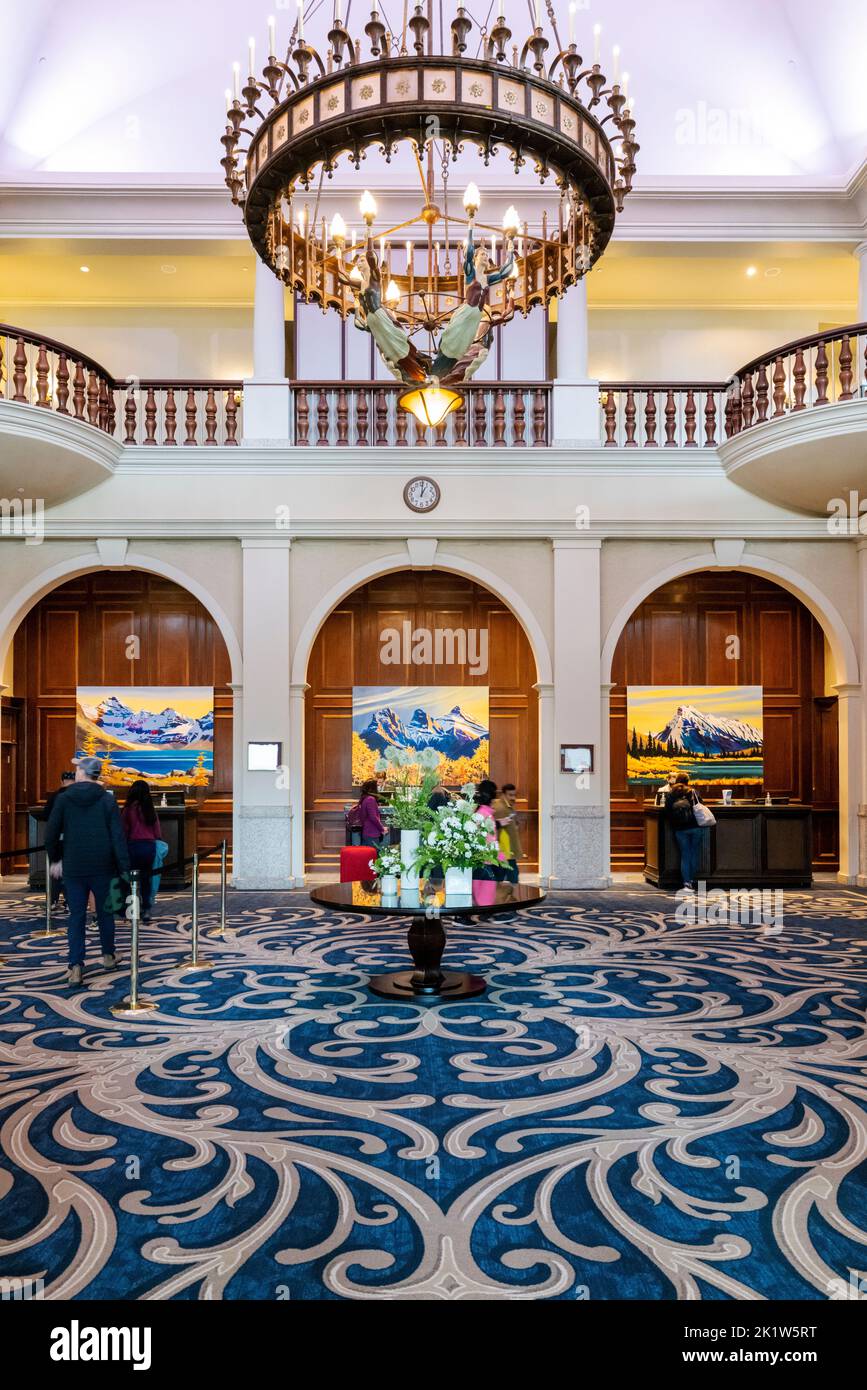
point(355, 863)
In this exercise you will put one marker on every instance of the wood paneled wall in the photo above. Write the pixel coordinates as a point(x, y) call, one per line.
point(678, 637)
point(77, 635)
point(347, 652)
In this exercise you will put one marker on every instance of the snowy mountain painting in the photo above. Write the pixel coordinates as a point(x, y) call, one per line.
point(164, 734)
point(451, 719)
point(713, 732)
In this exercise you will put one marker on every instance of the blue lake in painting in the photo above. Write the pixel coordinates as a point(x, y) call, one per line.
point(728, 771)
point(159, 761)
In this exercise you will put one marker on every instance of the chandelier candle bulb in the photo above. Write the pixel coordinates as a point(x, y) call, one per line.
point(236, 80)
point(300, 19)
point(572, 23)
point(538, 18)
point(616, 55)
point(251, 45)
point(367, 207)
point(625, 85)
point(338, 18)
point(472, 200)
point(338, 231)
point(272, 36)
point(597, 31)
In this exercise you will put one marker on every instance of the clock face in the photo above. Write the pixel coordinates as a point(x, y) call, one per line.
point(421, 494)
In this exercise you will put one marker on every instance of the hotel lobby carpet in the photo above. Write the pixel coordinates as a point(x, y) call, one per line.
point(636, 1108)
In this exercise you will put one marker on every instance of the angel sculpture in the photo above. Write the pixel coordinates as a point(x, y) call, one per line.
point(401, 357)
point(460, 335)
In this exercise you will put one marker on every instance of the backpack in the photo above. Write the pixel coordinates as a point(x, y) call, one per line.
point(680, 808)
point(353, 817)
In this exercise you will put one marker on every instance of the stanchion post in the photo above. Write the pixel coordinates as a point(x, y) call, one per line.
point(133, 1004)
point(194, 962)
point(220, 931)
point(48, 930)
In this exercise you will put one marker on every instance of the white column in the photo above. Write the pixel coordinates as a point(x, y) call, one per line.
point(296, 778)
point(861, 255)
point(266, 393)
point(576, 397)
point(579, 852)
point(546, 779)
point(852, 807)
point(3, 691)
point(262, 855)
point(854, 781)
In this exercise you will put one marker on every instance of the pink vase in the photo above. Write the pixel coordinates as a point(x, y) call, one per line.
point(484, 892)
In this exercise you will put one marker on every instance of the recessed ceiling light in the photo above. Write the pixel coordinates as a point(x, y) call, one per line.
point(85, 269)
point(751, 271)
point(169, 269)
point(772, 272)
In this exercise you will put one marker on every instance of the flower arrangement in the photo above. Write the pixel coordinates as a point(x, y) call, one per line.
point(459, 837)
point(386, 864)
point(410, 780)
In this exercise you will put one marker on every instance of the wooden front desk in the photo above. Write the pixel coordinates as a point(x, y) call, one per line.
point(179, 825)
point(751, 846)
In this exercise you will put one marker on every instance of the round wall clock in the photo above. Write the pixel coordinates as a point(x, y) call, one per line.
point(421, 494)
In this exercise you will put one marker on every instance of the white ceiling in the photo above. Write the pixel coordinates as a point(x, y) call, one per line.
point(770, 91)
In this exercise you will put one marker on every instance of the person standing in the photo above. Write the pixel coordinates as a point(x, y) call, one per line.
point(507, 820)
point(372, 829)
point(94, 851)
point(680, 803)
point(141, 826)
point(485, 793)
point(43, 814)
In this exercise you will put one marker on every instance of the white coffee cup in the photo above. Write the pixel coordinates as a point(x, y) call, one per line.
point(727, 796)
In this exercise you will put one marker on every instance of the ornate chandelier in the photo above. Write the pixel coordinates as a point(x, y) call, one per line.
point(431, 289)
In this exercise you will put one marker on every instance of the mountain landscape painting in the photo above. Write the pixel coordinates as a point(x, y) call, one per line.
point(713, 732)
point(453, 719)
point(164, 734)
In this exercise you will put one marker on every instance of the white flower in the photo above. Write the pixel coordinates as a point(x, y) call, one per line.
point(380, 765)
point(429, 757)
point(469, 789)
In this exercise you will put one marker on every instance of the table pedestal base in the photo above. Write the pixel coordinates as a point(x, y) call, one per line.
point(407, 984)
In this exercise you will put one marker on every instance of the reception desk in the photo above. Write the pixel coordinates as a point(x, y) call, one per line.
point(179, 825)
point(751, 846)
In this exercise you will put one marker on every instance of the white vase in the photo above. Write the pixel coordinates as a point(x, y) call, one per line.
point(408, 850)
point(388, 884)
point(459, 881)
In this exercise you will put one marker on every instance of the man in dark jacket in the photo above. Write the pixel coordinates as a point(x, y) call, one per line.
point(94, 851)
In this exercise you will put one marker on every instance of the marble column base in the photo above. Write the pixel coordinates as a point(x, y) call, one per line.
point(262, 852)
point(579, 848)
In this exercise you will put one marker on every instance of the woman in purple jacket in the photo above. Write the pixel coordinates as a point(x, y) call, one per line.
point(372, 828)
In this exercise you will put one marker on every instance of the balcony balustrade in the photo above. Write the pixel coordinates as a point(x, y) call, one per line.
point(812, 372)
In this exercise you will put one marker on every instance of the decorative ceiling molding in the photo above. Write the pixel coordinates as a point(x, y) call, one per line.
point(742, 210)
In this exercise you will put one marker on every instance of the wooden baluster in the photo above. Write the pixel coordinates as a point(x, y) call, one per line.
point(381, 416)
point(78, 392)
point(799, 376)
point(440, 440)
point(650, 422)
point(362, 411)
point(846, 374)
point(689, 420)
point(480, 419)
point(401, 420)
point(302, 419)
point(710, 421)
point(342, 419)
point(2, 368)
point(460, 423)
point(102, 413)
point(322, 420)
point(499, 417)
point(821, 374)
point(150, 415)
point(62, 384)
point(762, 392)
point(729, 422)
point(111, 409)
point(42, 377)
point(748, 396)
point(779, 379)
point(420, 435)
point(670, 420)
point(191, 411)
point(210, 419)
point(232, 421)
point(170, 415)
point(19, 374)
point(129, 413)
point(540, 419)
point(629, 420)
point(737, 410)
point(609, 411)
point(519, 422)
point(92, 398)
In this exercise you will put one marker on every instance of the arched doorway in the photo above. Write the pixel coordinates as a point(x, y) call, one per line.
point(347, 652)
point(77, 634)
point(681, 635)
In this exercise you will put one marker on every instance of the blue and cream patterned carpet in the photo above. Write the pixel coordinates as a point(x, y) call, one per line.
point(635, 1109)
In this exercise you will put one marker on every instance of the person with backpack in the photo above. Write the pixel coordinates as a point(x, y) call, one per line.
point(680, 803)
point(364, 816)
point(94, 852)
point(141, 826)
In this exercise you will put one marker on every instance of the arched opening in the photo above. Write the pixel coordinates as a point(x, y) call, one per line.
point(350, 651)
point(719, 627)
point(77, 634)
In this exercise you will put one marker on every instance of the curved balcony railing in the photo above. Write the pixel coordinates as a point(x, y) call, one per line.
point(35, 370)
point(806, 374)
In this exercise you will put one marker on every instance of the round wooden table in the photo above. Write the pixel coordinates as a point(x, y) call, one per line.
point(428, 907)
